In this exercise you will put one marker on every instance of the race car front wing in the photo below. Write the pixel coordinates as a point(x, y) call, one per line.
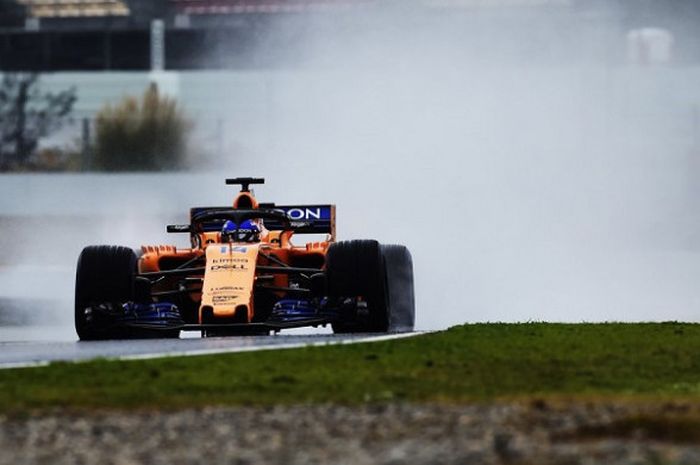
point(162, 317)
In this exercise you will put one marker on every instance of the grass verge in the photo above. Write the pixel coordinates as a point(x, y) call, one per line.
point(480, 362)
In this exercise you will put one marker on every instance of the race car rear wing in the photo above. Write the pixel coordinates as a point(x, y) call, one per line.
point(304, 219)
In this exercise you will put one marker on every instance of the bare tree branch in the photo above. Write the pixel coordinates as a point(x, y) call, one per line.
point(27, 115)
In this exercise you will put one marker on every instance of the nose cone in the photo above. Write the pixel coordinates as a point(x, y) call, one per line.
point(229, 278)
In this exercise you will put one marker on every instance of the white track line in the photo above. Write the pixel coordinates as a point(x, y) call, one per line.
point(223, 350)
point(9, 366)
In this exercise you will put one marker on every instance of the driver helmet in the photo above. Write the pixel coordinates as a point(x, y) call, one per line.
point(247, 231)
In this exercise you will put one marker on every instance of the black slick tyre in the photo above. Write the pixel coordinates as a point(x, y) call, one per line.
point(104, 274)
point(356, 269)
point(398, 265)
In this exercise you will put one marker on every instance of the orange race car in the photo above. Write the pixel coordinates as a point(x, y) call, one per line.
point(244, 275)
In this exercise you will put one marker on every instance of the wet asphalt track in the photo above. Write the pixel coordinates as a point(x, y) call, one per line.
point(31, 334)
point(22, 354)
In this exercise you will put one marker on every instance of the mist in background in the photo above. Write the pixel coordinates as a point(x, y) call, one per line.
point(533, 172)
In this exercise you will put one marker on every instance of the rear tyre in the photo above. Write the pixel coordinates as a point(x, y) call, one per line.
point(356, 269)
point(398, 265)
point(104, 274)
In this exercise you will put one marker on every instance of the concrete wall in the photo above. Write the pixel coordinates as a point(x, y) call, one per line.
point(255, 112)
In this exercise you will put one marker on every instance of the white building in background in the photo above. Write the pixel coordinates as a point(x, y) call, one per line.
point(649, 46)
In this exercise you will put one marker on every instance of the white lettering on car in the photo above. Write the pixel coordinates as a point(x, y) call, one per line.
point(228, 267)
point(307, 213)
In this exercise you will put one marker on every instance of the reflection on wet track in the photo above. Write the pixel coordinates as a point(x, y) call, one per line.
point(29, 336)
point(19, 354)
point(38, 331)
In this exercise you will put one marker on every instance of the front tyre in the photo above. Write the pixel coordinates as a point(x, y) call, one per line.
point(398, 265)
point(355, 269)
point(104, 274)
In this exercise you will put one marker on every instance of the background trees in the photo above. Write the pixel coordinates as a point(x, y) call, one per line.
point(26, 115)
point(144, 134)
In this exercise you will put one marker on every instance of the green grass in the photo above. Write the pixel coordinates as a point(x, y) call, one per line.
point(468, 363)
